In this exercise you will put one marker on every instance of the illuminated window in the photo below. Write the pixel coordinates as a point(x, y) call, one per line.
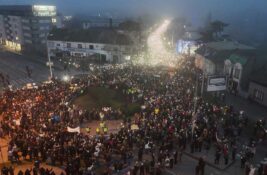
point(54, 20)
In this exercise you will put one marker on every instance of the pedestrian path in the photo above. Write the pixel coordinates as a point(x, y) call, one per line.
point(17, 83)
point(253, 110)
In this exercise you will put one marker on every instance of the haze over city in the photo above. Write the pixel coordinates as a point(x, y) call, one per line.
point(246, 17)
point(133, 87)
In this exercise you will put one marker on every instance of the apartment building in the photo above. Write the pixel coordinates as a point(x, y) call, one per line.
point(25, 27)
point(106, 45)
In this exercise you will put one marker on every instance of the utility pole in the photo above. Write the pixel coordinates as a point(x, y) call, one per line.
point(49, 63)
point(203, 77)
point(195, 95)
point(195, 107)
point(202, 84)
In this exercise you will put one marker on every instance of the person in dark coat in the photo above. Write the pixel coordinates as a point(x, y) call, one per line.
point(201, 164)
point(20, 172)
point(175, 155)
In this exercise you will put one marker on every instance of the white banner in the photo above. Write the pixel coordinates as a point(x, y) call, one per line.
point(17, 122)
point(74, 129)
point(216, 83)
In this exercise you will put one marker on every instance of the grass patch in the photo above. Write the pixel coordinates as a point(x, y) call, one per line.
point(98, 97)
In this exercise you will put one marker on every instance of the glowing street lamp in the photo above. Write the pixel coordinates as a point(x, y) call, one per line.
point(66, 78)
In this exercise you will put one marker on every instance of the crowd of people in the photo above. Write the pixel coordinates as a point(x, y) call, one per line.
point(170, 120)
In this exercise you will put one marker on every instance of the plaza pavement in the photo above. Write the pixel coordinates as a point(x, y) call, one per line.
point(254, 112)
point(15, 65)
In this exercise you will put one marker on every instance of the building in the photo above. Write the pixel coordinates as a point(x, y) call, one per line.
point(258, 86)
point(228, 58)
point(238, 68)
point(100, 22)
point(210, 57)
point(106, 45)
point(25, 27)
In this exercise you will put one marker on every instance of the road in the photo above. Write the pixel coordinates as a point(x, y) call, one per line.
point(14, 65)
point(157, 53)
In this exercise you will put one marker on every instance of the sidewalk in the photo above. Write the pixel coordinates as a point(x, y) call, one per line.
point(188, 165)
point(253, 110)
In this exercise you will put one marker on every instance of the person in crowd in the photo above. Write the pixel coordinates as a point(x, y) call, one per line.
point(37, 121)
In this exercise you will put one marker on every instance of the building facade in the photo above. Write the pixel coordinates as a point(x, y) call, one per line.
point(231, 59)
point(26, 27)
point(104, 46)
point(258, 92)
point(258, 84)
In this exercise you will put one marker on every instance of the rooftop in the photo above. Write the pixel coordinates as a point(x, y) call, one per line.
point(28, 10)
point(219, 51)
point(236, 58)
point(228, 45)
point(105, 36)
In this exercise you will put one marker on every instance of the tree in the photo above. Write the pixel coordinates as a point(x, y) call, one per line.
point(213, 31)
point(217, 27)
point(130, 25)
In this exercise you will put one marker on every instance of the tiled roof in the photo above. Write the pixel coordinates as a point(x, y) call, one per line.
point(105, 36)
point(228, 45)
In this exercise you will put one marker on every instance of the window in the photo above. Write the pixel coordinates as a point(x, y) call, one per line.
point(91, 47)
point(54, 20)
point(115, 49)
point(68, 45)
point(80, 46)
point(237, 73)
point(58, 44)
point(258, 95)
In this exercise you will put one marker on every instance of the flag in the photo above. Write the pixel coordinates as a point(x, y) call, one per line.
point(77, 129)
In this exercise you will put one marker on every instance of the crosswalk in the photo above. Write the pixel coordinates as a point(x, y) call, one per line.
point(17, 83)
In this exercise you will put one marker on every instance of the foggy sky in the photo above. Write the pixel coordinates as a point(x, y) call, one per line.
point(192, 9)
point(246, 18)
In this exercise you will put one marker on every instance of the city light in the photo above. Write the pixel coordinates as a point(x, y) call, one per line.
point(66, 78)
point(157, 51)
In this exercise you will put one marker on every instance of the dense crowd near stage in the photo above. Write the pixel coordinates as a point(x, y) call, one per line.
point(171, 119)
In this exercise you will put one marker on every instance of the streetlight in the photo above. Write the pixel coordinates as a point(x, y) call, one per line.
point(66, 78)
point(49, 63)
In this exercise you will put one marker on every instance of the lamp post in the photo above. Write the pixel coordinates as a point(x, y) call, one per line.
point(203, 77)
point(195, 107)
point(49, 63)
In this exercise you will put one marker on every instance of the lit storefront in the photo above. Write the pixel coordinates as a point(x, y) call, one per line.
point(13, 46)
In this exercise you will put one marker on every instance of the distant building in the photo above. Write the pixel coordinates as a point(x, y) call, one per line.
point(100, 22)
point(233, 59)
point(104, 44)
point(25, 27)
point(210, 57)
point(238, 68)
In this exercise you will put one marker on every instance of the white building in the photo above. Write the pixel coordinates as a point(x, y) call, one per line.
point(105, 45)
point(210, 57)
point(24, 27)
